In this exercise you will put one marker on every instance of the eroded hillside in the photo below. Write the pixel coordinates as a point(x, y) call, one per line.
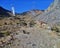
point(25, 32)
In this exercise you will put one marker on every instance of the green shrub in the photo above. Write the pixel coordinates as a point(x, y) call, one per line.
point(32, 23)
point(23, 23)
point(55, 28)
point(4, 33)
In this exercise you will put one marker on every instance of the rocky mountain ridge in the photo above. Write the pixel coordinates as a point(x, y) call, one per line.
point(31, 30)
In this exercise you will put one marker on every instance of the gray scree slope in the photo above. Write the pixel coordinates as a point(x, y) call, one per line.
point(52, 14)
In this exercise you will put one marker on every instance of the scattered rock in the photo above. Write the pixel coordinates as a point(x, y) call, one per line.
point(26, 32)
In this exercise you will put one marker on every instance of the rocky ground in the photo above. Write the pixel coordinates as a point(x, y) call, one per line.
point(25, 32)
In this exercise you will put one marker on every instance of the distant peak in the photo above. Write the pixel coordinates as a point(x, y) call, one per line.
point(1, 7)
point(36, 10)
point(33, 12)
point(4, 12)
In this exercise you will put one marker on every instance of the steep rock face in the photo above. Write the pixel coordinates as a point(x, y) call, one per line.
point(52, 16)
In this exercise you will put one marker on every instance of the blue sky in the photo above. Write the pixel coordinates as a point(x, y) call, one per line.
point(25, 5)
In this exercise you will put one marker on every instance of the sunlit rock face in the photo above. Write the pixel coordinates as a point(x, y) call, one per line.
point(32, 13)
point(52, 16)
point(54, 5)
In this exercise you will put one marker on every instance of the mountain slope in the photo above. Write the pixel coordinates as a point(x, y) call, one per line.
point(33, 12)
point(53, 15)
point(4, 12)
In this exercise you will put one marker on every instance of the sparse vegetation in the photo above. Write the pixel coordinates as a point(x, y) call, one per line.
point(4, 33)
point(32, 23)
point(23, 31)
point(23, 23)
point(55, 28)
